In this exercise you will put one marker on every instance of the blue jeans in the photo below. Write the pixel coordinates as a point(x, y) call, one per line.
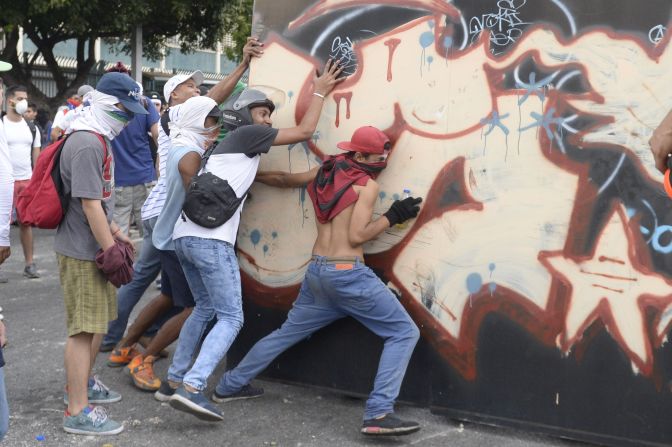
point(211, 268)
point(328, 294)
point(145, 271)
point(4, 408)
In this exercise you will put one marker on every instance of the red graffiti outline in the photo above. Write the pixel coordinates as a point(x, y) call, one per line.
point(546, 324)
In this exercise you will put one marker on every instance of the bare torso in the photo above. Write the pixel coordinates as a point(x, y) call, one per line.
point(333, 238)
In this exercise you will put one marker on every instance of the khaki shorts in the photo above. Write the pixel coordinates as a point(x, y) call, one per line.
point(90, 300)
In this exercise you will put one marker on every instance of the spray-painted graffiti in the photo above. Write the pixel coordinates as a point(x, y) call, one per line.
point(528, 140)
point(657, 33)
point(504, 26)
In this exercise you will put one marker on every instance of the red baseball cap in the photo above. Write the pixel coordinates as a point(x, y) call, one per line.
point(367, 139)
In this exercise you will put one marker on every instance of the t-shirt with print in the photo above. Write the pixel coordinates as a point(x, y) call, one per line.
point(132, 156)
point(21, 143)
point(235, 160)
point(85, 176)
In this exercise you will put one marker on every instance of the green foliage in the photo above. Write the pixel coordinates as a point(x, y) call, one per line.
point(198, 23)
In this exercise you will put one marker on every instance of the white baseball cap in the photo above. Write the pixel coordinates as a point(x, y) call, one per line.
point(176, 80)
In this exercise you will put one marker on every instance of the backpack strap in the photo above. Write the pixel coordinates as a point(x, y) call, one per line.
point(165, 119)
point(33, 132)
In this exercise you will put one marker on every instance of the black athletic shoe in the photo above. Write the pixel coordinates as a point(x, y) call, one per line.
point(164, 393)
point(389, 425)
point(246, 392)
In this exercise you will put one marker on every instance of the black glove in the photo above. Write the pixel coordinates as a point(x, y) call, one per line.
point(402, 210)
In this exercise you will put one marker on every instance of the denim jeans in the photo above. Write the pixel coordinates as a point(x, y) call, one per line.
point(328, 294)
point(4, 408)
point(211, 268)
point(145, 271)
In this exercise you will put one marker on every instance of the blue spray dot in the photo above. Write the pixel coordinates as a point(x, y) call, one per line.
point(255, 237)
point(40, 438)
point(645, 231)
point(492, 266)
point(395, 196)
point(430, 59)
point(274, 234)
point(265, 249)
point(431, 23)
point(381, 195)
point(447, 42)
point(631, 212)
point(474, 282)
point(426, 39)
point(290, 93)
point(492, 286)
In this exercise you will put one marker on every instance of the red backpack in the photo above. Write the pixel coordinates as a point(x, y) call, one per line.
point(43, 203)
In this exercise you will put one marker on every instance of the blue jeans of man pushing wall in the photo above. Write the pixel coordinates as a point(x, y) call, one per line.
point(211, 268)
point(328, 294)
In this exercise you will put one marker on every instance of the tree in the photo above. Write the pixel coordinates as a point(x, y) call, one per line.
point(200, 23)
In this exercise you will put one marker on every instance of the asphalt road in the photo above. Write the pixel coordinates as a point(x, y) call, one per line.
point(286, 415)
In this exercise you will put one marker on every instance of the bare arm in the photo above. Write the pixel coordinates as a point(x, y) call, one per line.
point(93, 210)
point(362, 227)
point(323, 85)
point(36, 153)
point(223, 89)
point(661, 142)
point(188, 166)
point(281, 179)
point(154, 130)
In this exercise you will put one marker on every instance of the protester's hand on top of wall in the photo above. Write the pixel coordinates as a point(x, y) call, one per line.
point(253, 48)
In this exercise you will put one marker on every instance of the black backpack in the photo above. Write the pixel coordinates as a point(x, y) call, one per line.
point(210, 201)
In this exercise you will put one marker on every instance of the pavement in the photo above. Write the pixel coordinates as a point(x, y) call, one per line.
point(287, 415)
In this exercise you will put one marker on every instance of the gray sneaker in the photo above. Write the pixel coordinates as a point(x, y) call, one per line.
point(98, 393)
point(91, 421)
point(31, 271)
point(196, 404)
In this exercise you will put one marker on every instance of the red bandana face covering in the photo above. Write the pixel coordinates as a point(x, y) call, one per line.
point(331, 190)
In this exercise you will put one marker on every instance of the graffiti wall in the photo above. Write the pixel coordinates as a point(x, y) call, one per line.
point(540, 267)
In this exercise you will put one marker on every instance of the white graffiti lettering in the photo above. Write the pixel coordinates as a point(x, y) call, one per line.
point(343, 49)
point(505, 25)
point(657, 33)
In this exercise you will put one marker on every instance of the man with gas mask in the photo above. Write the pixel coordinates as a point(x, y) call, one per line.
point(24, 141)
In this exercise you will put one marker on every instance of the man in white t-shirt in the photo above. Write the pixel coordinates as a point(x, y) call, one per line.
point(24, 142)
point(6, 189)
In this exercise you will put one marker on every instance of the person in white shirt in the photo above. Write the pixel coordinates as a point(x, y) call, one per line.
point(207, 255)
point(6, 191)
point(24, 143)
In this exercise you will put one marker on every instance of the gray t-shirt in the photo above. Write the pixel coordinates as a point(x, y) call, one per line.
point(85, 176)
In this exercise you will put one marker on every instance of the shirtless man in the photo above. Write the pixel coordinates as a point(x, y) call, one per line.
point(337, 283)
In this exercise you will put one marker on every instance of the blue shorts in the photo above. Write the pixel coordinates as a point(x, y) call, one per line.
point(173, 282)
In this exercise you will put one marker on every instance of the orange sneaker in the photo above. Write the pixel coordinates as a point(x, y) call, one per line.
point(122, 356)
point(137, 361)
point(143, 375)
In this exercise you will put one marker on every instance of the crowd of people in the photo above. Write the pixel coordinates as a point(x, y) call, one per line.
point(182, 173)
